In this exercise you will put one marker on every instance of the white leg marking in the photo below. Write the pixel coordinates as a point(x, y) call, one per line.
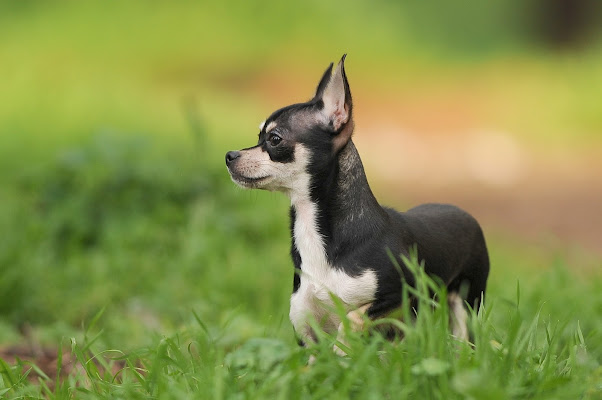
point(457, 316)
point(356, 324)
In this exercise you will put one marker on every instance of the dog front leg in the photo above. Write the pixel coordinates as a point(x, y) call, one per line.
point(356, 320)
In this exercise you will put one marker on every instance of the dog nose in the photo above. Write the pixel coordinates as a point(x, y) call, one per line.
point(231, 156)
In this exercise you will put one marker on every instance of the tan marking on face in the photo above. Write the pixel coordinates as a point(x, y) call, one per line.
point(261, 126)
point(253, 164)
point(271, 126)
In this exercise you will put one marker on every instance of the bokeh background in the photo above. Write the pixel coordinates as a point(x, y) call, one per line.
point(115, 118)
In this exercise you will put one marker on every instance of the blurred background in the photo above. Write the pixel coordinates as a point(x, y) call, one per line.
point(115, 118)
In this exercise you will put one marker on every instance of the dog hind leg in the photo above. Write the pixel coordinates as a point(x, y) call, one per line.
point(457, 316)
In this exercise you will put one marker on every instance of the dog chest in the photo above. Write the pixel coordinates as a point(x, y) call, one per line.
point(313, 297)
point(320, 280)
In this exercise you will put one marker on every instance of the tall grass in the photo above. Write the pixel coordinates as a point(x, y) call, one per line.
point(528, 357)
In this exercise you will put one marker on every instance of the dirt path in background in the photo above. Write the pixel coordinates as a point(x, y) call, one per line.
point(559, 211)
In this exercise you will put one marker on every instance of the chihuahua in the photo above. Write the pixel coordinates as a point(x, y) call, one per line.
point(342, 238)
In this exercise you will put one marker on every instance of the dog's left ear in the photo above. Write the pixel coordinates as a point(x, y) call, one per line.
point(334, 92)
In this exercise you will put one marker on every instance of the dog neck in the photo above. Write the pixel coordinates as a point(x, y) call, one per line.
point(337, 211)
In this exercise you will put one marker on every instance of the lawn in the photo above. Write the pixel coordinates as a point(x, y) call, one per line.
point(131, 264)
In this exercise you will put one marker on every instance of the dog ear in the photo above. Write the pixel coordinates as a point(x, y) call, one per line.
point(335, 94)
point(324, 81)
point(336, 97)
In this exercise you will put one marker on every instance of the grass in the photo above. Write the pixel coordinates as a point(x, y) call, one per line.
point(516, 354)
point(134, 258)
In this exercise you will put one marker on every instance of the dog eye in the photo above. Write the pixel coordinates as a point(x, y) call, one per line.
point(275, 140)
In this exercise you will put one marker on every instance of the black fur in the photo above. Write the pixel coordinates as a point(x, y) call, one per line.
point(357, 232)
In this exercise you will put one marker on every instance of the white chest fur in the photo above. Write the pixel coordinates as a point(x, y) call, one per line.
point(319, 280)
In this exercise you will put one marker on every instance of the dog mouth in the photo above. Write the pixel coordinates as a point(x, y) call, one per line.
point(245, 181)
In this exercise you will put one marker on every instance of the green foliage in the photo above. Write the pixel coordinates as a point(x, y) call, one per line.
point(109, 184)
point(116, 219)
point(528, 358)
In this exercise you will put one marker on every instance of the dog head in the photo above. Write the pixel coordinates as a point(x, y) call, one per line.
point(298, 138)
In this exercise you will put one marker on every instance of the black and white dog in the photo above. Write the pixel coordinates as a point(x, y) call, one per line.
point(340, 234)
